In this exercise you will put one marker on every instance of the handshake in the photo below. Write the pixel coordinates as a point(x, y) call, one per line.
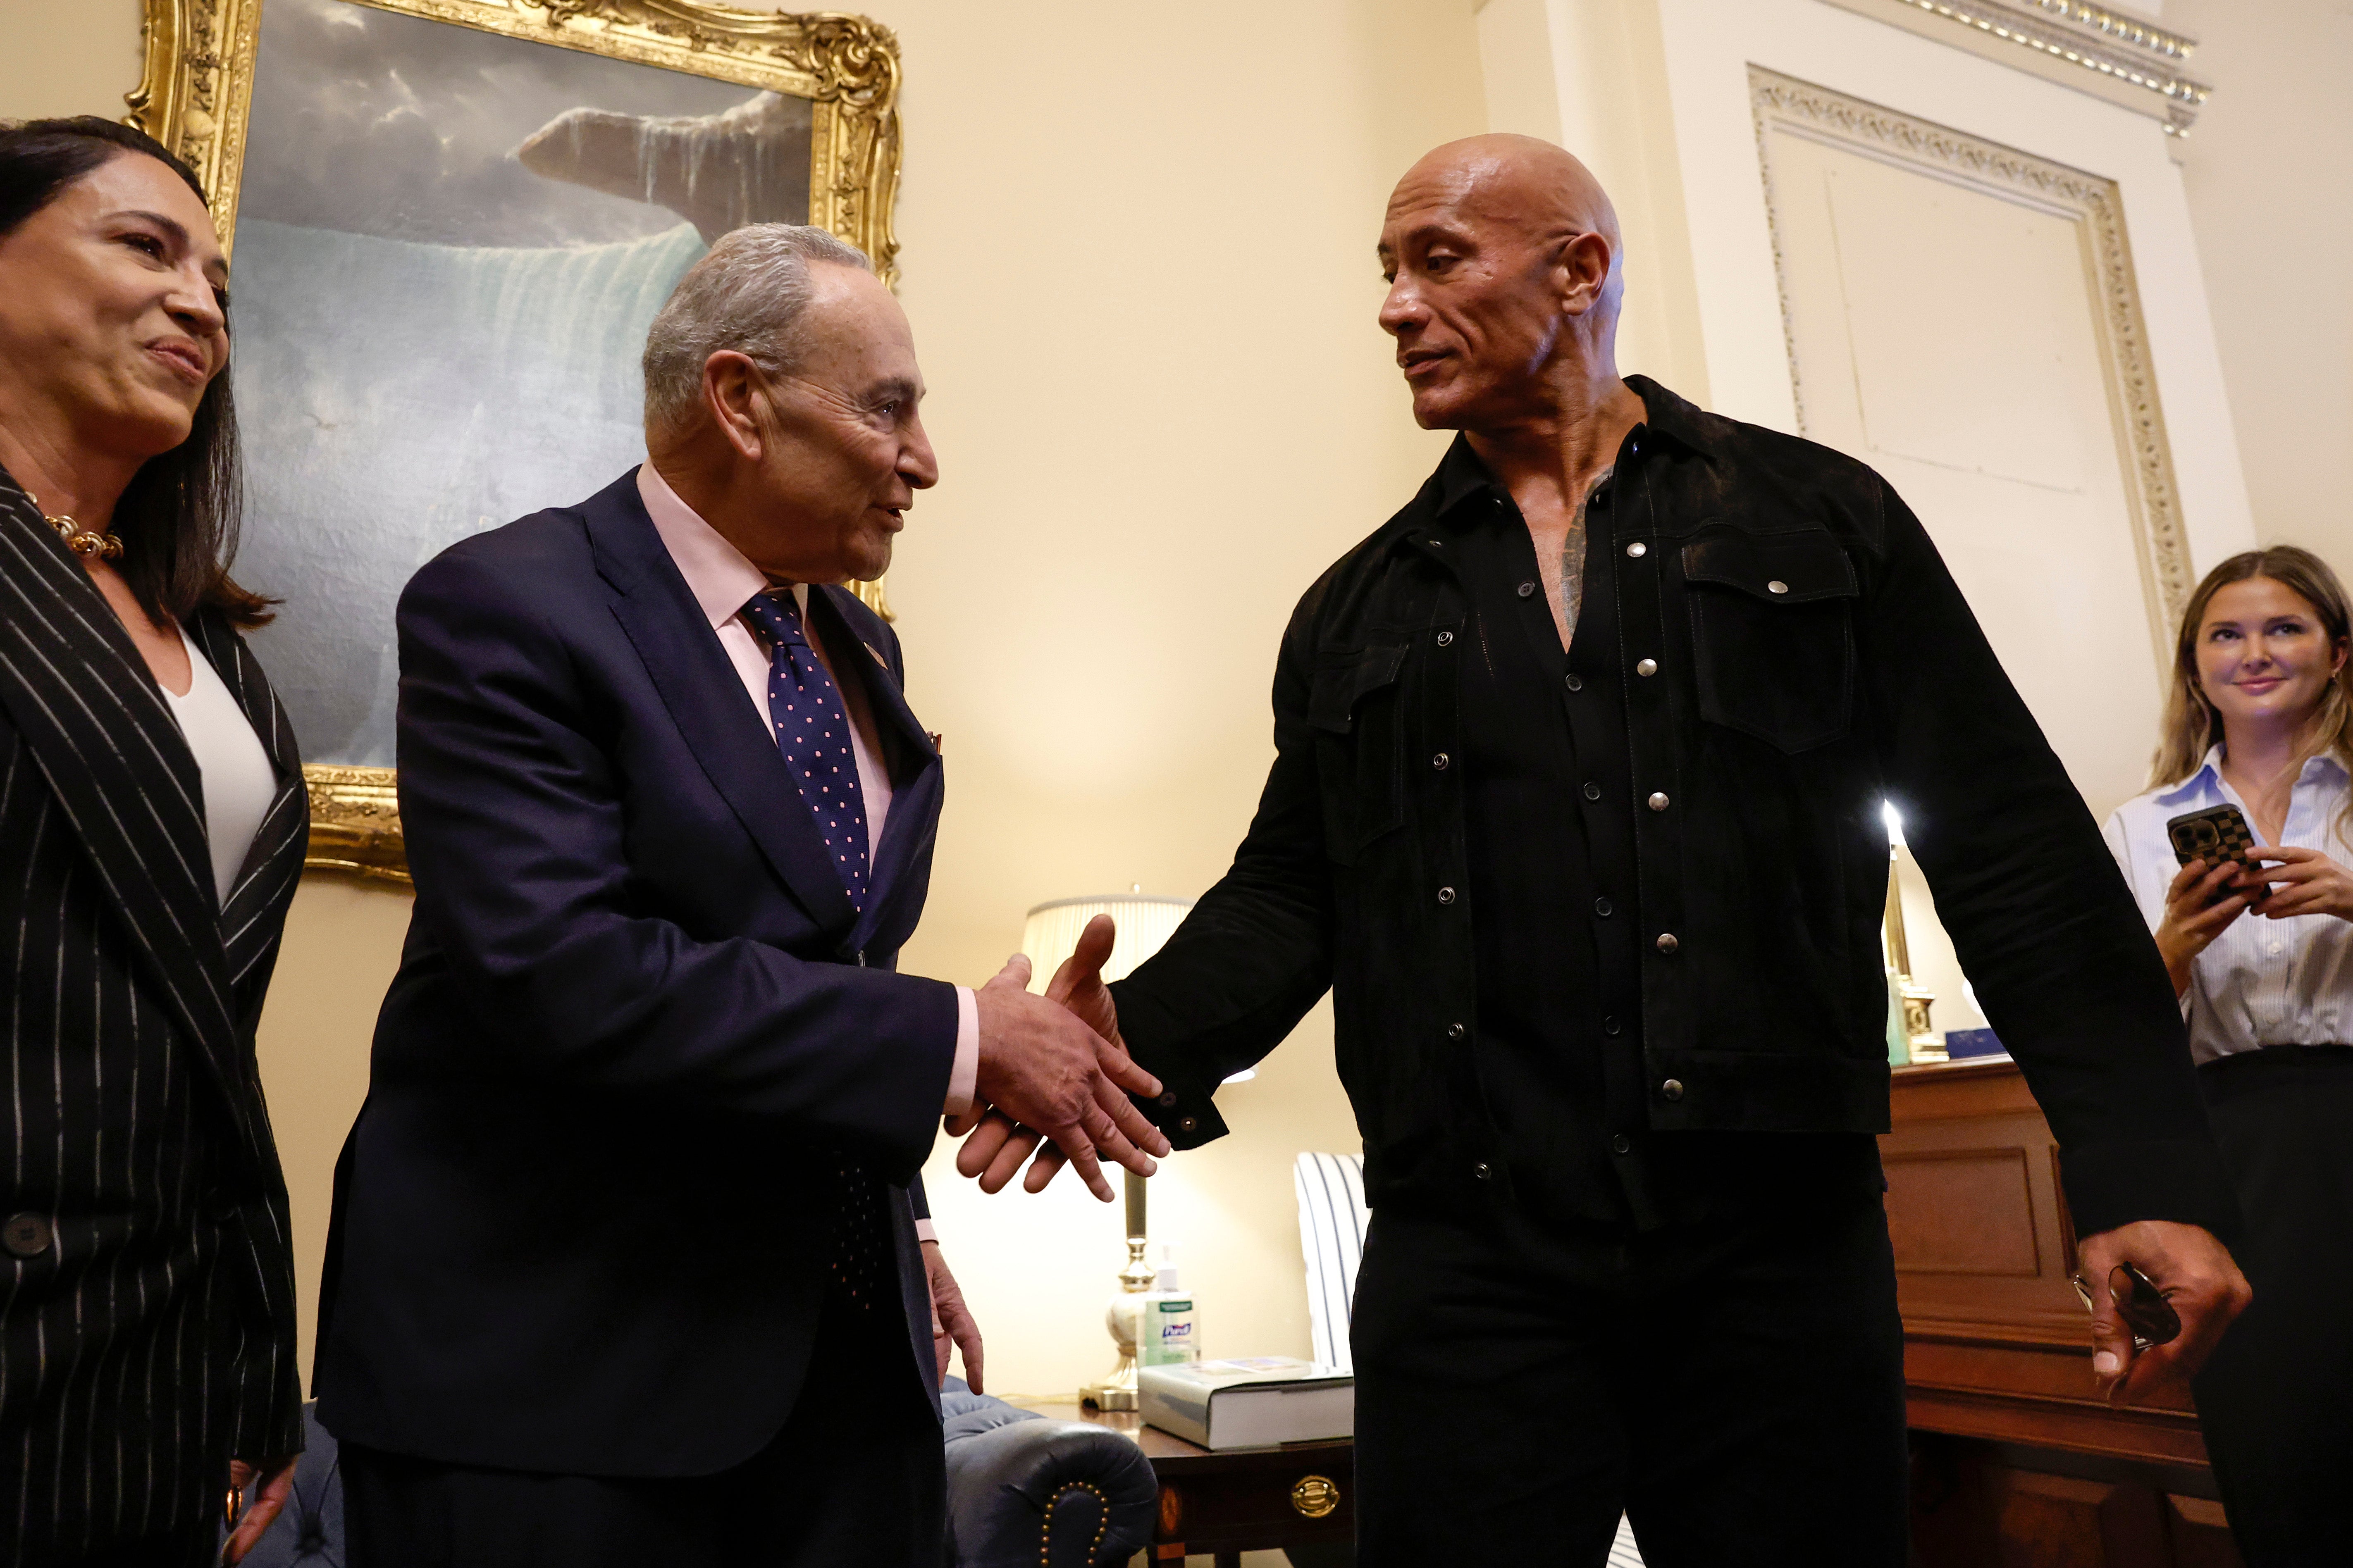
point(1054, 1072)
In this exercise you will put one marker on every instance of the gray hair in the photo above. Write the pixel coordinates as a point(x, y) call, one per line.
point(749, 295)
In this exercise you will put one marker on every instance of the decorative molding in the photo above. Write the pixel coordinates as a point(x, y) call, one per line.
point(199, 80)
point(194, 89)
point(2122, 56)
point(196, 86)
point(2096, 203)
point(355, 821)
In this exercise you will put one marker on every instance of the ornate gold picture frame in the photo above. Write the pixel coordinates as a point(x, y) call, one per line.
point(831, 77)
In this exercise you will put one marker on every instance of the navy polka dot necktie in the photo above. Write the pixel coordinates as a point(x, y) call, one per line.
point(813, 733)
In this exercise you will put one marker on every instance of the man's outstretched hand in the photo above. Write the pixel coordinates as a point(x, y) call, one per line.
point(2200, 1282)
point(1041, 1066)
point(1079, 984)
point(999, 1145)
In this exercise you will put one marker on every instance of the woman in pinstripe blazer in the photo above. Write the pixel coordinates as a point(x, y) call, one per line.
point(152, 830)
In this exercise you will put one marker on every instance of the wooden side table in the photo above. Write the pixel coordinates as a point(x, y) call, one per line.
point(1243, 1500)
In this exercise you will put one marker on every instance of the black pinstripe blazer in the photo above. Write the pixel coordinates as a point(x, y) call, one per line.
point(146, 1280)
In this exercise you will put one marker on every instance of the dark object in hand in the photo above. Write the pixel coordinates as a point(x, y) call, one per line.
point(2142, 1305)
point(2217, 834)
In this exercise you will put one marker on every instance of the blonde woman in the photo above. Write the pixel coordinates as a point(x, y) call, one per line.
point(2261, 716)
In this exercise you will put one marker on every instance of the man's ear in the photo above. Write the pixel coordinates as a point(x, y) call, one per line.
point(1584, 270)
point(737, 398)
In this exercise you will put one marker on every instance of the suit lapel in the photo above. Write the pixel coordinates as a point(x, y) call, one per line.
point(909, 830)
point(96, 722)
point(251, 920)
point(705, 700)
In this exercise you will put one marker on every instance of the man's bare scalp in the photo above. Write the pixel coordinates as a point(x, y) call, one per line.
point(1516, 183)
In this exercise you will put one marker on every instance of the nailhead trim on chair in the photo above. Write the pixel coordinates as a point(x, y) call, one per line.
point(1046, 1536)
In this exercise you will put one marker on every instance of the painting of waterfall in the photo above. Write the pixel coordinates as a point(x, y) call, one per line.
point(449, 246)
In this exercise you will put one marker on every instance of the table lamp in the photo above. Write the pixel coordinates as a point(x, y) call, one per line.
point(1049, 936)
point(1920, 1041)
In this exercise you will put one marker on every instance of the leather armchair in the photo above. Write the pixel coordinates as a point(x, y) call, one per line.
point(1023, 1491)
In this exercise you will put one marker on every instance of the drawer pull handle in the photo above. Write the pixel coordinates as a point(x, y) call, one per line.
point(1315, 1496)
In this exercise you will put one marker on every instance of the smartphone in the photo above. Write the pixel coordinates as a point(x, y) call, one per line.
point(2217, 834)
point(2142, 1305)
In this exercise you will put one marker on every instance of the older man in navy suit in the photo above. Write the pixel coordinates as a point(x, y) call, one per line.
point(629, 1263)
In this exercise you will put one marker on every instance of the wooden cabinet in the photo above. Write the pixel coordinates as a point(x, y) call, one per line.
point(2015, 1461)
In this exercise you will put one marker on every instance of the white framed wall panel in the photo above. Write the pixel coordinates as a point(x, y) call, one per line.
point(1708, 48)
point(2023, 429)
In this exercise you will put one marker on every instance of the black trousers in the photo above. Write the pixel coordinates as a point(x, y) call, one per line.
point(2276, 1398)
point(854, 1480)
point(1735, 1386)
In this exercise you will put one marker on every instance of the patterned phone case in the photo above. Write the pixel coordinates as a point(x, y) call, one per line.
point(2217, 834)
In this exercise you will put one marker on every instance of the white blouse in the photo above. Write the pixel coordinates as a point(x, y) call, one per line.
point(2260, 982)
point(239, 781)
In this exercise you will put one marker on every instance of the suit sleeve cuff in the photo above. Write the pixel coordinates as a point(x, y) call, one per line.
point(965, 1074)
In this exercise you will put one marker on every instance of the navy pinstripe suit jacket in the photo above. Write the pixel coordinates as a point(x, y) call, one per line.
point(582, 1222)
point(149, 1336)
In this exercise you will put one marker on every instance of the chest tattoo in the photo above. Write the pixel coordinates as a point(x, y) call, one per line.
point(1572, 559)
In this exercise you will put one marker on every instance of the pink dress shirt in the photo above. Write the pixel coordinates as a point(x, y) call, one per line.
point(723, 581)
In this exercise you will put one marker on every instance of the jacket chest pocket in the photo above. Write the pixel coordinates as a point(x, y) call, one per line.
point(1359, 745)
point(1772, 622)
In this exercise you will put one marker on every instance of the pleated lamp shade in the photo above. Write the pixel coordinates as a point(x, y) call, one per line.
point(1052, 934)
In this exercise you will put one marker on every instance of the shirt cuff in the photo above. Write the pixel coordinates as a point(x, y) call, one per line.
point(965, 1074)
point(924, 1232)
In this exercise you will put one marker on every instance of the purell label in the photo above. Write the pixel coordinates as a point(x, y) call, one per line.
point(1168, 1333)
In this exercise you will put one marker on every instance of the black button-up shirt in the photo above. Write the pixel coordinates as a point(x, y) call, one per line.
point(1548, 801)
point(1809, 659)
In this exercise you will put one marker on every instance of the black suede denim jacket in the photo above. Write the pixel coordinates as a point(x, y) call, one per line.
point(1813, 659)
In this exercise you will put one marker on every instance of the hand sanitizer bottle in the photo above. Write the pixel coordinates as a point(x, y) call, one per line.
point(1167, 1334)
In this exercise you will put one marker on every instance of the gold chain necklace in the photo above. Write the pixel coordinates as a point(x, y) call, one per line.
point(79, 540)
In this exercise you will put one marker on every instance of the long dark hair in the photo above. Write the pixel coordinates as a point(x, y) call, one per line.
point(178, 517)
point(2191, 727)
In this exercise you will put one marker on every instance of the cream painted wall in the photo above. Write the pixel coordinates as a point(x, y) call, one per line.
point(2269, 171)
point(342, 943)
point(67, 56)
point(1583, 73)
point(1138, 258)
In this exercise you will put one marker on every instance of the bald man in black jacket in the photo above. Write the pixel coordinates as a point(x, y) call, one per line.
point(1575, 810)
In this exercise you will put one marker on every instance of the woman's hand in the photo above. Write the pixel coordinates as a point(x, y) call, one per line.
point(2305, 882)
point(2199, 907)
point(264, 1490)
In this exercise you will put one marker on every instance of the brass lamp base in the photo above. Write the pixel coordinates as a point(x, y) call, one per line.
point(1116, 1392)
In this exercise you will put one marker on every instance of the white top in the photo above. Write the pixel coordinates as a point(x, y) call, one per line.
point(239, 781)
point(2260, 982)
